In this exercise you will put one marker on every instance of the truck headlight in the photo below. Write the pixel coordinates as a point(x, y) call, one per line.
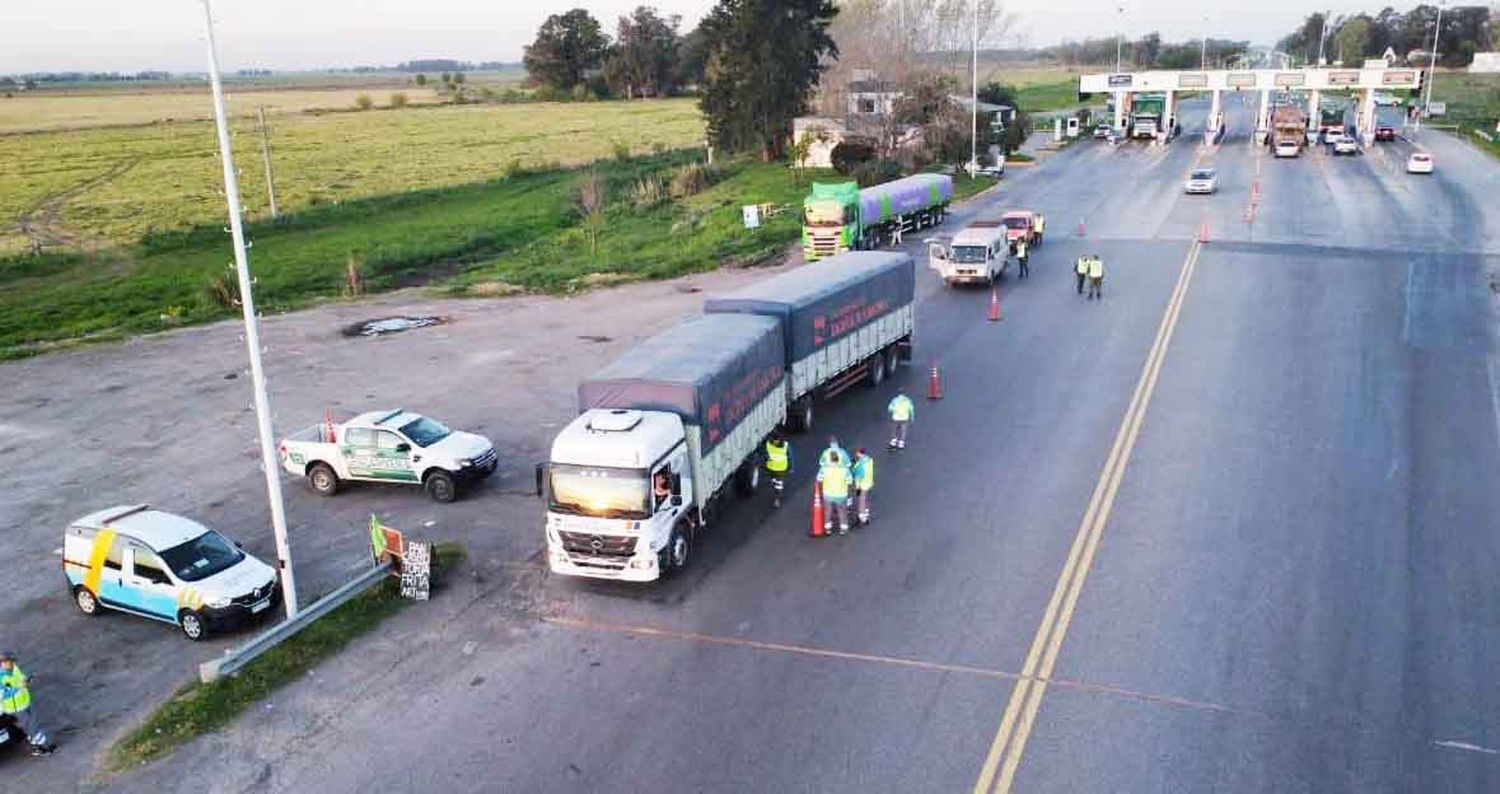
point(216, 602)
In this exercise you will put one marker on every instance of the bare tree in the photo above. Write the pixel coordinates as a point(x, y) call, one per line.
point(592, 196)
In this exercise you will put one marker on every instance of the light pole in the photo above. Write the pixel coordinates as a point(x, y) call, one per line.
point(974, 100)
point(252, 331)
point(1120, 35)
point(1204, 65)
point(1322, 34)
point(1431, 65)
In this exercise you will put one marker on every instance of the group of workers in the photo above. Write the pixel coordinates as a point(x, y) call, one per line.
point(846, 480)
point(1090, 268)
point(15, 702)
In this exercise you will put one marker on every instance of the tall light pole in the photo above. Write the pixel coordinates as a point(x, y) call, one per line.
point(1120, 34)
point(1322, 34)
point(252, 330)
point(1204, 65)
point(1432, 65)
point(974, 100)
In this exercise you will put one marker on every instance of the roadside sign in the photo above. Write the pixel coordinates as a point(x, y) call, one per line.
point(751, 213)
point(1437, 108)
point(1119, 81)
point(416, 570)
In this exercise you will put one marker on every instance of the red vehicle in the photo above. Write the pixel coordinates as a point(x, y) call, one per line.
point(1385, 133)
point(1023, 225)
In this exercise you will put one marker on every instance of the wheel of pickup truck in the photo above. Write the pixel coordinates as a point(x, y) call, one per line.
point(875, 370)
point(802, 417)
point(192, 625)
point(322, 479)
point(441, 487)
point(747, 479)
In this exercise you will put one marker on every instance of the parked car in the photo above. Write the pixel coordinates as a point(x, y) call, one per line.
point(1387, 100)
point(1102, 131)
point(165, 567)
point(1385, 133)
point(396, 446)
point(1287, 149)
point(1201, 180)
point(1419, 163)
point(1346, 145)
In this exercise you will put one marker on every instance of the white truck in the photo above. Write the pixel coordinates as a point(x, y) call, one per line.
point(978, 254)
point(388, 446)
point(662, 432)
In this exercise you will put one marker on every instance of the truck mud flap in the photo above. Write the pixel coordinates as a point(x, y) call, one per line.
point(904, 349)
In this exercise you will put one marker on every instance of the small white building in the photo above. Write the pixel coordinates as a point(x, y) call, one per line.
point(872, 97)
point(1485, 63)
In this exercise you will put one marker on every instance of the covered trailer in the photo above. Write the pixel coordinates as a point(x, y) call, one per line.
point(840, 217)
point(844, 319)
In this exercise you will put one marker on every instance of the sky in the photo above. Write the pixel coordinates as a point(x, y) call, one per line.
point(135, 35)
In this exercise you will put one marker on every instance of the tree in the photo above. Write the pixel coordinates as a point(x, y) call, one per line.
point(644, 58)
point(458, 78)
point(764, 58)
point(692, 55)
point(1352, 40)
point(421, 79)
point(1146, 51)
point(567, 46)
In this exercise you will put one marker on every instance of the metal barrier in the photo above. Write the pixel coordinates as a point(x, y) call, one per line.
point(235, 659)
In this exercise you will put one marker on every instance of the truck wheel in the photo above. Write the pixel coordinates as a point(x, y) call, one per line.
point(875, 369)
point(441, 487)
point(192, 625)
point(85, 600)
point(802, 420)
point(322, 479)
point(892, 360)
point(747, 479)
point(674, 557)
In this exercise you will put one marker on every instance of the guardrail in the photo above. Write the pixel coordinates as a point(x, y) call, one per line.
point(235, 659)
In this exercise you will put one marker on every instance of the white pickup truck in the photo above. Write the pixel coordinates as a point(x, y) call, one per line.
point(388, 446)
point(978, 254)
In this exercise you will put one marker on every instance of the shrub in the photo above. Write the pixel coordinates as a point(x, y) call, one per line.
point(876, 172)
point(223, 291)
point(850, 154)
point(364, 102)
point(693, 178)
point(650, 190)
point(548, 93)
point(398, 99)
point(581, 93)
point(621, 150)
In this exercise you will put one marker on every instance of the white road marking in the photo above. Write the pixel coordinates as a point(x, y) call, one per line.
point(1465, 746)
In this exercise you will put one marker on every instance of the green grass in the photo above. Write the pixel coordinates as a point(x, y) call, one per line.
point(1038, 97)
point(199, 708)
point(1472, 98)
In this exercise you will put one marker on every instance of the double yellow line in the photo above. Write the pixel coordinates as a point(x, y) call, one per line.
point(1000, 765)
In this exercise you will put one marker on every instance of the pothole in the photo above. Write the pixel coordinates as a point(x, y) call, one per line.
point(391, 325)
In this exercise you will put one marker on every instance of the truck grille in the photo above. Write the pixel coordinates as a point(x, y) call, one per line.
point(825, 246)
point(597, 545)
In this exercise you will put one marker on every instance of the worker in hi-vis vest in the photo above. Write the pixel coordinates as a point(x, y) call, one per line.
point(1081, 269)
point(902, 411)
point(778, 464)
point(836, 479)
point(864, 482)
point(1096, 277)
point(15, 700)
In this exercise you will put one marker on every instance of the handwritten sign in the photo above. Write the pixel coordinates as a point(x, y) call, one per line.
point(416, 570)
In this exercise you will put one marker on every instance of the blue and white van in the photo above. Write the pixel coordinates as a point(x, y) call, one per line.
point(166, 567)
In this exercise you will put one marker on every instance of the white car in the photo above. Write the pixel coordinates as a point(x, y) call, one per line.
point(1346, 145)
point(1386, 100)
point(1201, 180)
point(1419, 163)
point(1287, 149)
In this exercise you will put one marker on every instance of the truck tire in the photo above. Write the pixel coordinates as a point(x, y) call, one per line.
point(322, 479)
point(441, 486)
point(802, 415)
point(675, 555)
point(87, 603)
point(875, 370)
point(892, 360)
point(192, 625)
point(747, 479)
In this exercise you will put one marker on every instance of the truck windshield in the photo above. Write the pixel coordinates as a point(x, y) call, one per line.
point(602, 492)
point(823, 213)
point(969, 254)
point(1015, 222)
point(425, 432)
point(202, 557)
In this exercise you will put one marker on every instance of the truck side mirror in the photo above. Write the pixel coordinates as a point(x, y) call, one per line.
point(677, 500)
point(677, 488)
point(541, 473)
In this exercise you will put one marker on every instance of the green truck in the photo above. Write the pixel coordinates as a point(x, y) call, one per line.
point(1148, 115)
point(839, 216)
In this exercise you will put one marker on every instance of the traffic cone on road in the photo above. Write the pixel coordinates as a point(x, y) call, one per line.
point(817, 530)
point(994, 304)
point(935, 385)
point(1082, 232)
point(1203, 232)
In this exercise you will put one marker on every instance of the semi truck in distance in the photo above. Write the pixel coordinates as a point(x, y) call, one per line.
point(664, 432)
point(840, 216)
point(1288, 130)
point(1147, 113)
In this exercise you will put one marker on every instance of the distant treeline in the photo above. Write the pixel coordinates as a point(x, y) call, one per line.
point(33, 79)
point(1146, 52)
point(1353, 37)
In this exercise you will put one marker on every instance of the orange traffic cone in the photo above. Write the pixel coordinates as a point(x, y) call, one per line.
point(994, 304)
point(817, 530)
point(1203, 232)
point(935, 385)
point(1082, 232)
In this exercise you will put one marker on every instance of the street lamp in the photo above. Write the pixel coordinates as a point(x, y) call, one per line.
point(974, 100)
point(1322, 34)
point(1204, 65)
point(252, 330)
point(1432, 64)
point(1120, 35)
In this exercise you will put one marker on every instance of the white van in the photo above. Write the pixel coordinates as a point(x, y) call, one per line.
point(166, 567)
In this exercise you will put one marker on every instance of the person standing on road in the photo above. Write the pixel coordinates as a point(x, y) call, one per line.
point(1041, 228)
point(1023, 258)
point(15, 700)
point(902, 411)
point(836, 479)
point(1081, 270)
point(778, 465)
point(864, 482)
point(1096, 277)
point(832, 450)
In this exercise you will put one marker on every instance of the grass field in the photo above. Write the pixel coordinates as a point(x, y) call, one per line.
point(111, 186)
point(41, 111)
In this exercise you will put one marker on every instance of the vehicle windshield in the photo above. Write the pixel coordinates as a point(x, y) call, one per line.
point(969, 253)
point(1203, 174)
point(597, 491)
point(1015, 222)
point(202, 557)
point(823, 213)
point(425, 432)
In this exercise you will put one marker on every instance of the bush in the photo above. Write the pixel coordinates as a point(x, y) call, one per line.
point(548, 93)
point(398, 99)
point(581, 93)
point(876, 172)
point(850, 154)
point(650, 190)
point(364, 102)
point(693, 178)
point(620, 149)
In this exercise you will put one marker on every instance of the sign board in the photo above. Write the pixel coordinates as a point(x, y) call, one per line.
point(1120, 80)
point(1404, 77)
point(1241, 79)
point(1290, 79)
point(752, 215)
point(1192, 81)
point(1437, 108)
point(1343, 78)
point(416, 570)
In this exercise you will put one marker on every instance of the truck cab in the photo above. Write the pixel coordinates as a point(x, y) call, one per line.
point(830, 219)
point(607, 514)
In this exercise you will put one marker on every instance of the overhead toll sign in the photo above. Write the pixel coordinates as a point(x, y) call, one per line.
point(1155, 81)
point(1241, 79)
point(1343, 78)
point(1399, 77)
point(1290, 79)
point(1120, 80)
point(1192, 80)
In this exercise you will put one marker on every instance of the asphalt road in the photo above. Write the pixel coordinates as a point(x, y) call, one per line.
point(1234, 523)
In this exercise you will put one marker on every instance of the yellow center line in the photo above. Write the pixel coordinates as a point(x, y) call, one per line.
point(1026, 696)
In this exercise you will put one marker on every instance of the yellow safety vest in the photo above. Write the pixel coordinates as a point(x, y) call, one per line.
point(1096, 268)
point(901, 408)
point(835, 481)
point(1041, 224)
point(778, 456)
point(1021, 249)
point(16, 696)
point(1081, 267)
point(864, 472)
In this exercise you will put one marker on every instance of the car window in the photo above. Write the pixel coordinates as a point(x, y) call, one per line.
point(113, 560)
point(150, 567)
point(360, 437)
point(387, 440)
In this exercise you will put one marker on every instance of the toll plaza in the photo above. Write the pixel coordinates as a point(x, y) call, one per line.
point(1127, 89)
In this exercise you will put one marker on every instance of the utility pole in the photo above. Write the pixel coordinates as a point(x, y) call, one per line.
point(265, 152)
point(974, 100)
point(1431, 65)
point(1119, 34)
point(252, 331)
point(1204, 65)
point(1322, 34)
